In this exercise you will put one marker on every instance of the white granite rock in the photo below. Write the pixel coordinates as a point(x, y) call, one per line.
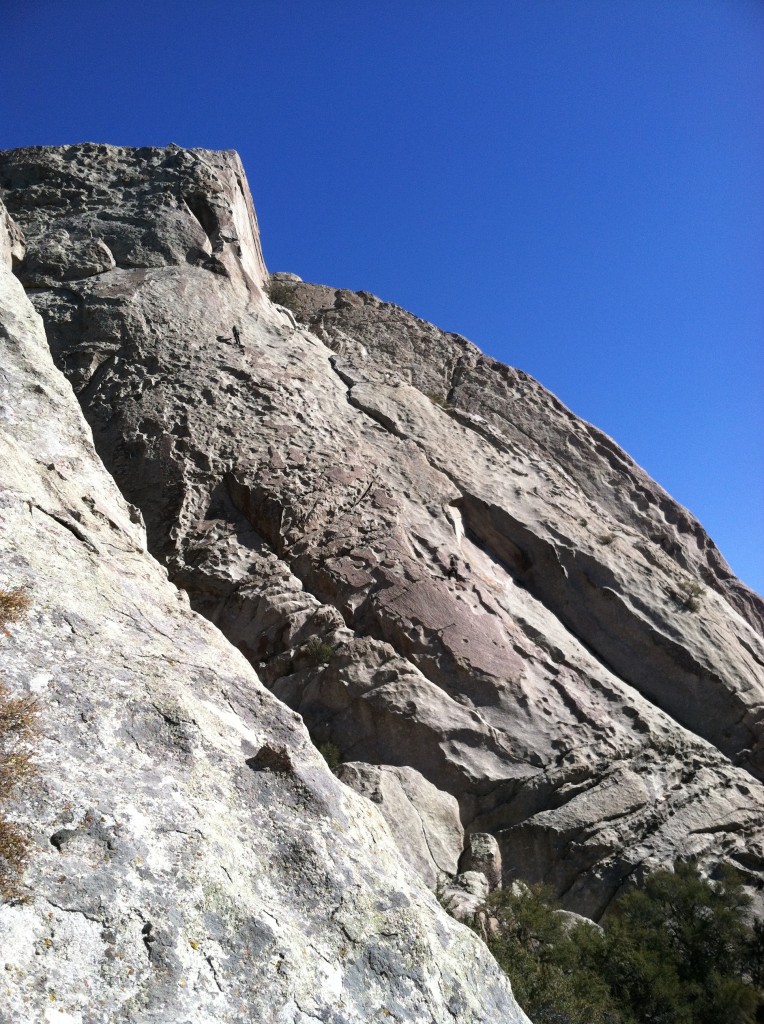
point(424, 820)
point(193, 859)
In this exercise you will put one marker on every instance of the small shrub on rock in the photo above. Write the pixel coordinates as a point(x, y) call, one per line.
point(318, 651)
point(282, 291)
point(690, 597)
point(331, 754)
point(18, 722)
point(13, 606)
point(437, 399)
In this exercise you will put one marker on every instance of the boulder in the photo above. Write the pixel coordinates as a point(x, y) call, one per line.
point(424, 820)
point(464, 895)
point(482, 854)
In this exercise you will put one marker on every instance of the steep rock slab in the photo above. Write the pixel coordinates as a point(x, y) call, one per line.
point(473, 623)
point(571, 520)
point(193, 858)
point(424, 821)
point(697, 660)
point(508, 405)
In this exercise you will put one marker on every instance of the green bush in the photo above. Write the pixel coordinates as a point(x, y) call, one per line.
point(554, 971)
point(680, 950)
point(281, 292)
point(677, 951)
point(318, 651)
point(331, 754)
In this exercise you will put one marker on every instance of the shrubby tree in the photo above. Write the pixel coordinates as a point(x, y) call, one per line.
point(676, 951)
point(679, 950)
point(17, 730)
point(555, 973)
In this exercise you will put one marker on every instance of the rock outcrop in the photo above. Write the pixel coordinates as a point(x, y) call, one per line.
point(193, 859)
point(420, 550)
point(423, 819)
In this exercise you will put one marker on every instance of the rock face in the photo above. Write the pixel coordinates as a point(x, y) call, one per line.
point(194, 860)
point(420, 550)
point(423, 819)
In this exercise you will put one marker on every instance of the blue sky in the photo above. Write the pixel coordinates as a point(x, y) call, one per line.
point(575, 185)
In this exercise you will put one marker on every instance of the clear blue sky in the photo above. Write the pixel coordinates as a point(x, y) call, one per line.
point(575, 185)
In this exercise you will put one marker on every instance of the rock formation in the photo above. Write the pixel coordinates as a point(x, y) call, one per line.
point(420, 550)
point(193, 858)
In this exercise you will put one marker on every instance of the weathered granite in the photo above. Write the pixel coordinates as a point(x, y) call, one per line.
point(424, 820)
point(11, 241)
point(503, 601)
point(508, 404)
point(193, 861)
point(465, 894)
point(482, 854)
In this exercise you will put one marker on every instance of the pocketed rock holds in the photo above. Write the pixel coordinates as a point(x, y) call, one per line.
point(169, 882)
point(500, 593)
point(58, 257)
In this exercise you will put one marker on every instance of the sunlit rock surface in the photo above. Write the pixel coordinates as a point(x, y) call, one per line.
point(421, 550)
point(193, 859)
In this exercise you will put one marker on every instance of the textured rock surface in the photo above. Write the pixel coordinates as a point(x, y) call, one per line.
point(421, 550)
point(466, 894)
point(194, 861)
point(423, 820)
point(482, 854)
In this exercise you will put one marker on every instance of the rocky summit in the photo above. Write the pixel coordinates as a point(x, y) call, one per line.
point(522, 658)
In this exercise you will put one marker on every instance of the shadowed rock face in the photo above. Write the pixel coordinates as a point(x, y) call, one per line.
point(193, 859)
point(504, 602)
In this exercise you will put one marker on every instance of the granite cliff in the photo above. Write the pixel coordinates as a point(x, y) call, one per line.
point(475, 600)
point(193, 860)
